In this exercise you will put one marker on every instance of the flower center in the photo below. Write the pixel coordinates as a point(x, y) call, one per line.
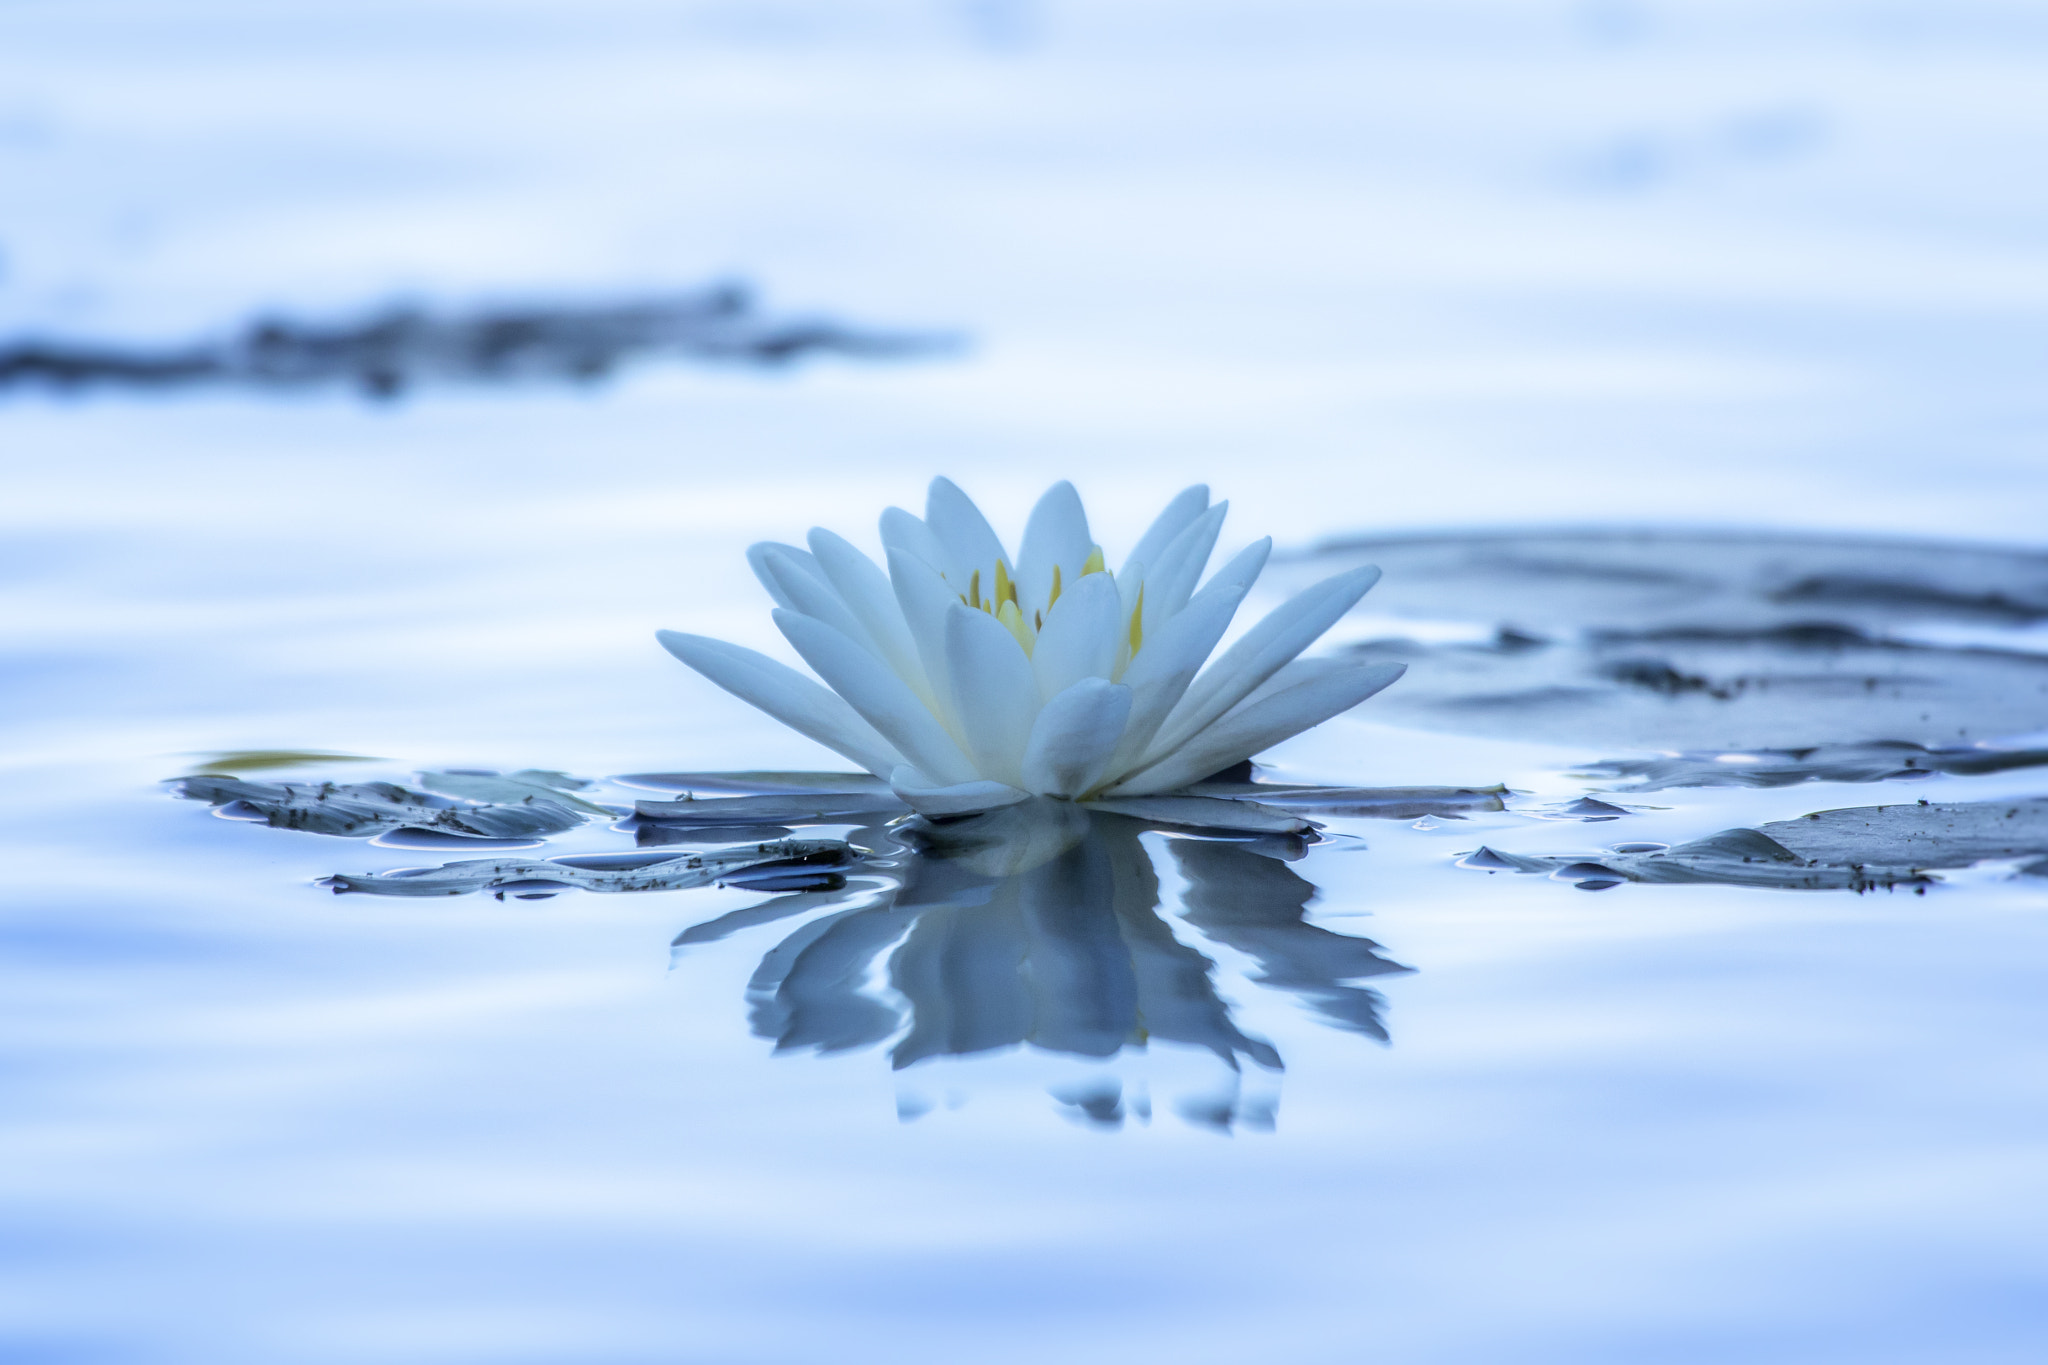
point(1002, 602)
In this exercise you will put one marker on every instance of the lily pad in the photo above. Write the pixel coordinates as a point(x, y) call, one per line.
point(267, 760)
point(1670, 639)
point(1204, 812)
point(1781, 688)
point(1377, 803)
point(1645, 578)
point(838, 808)
point(757, 783)
point(1871, 762)
point(530, 784)
point(1856, 848)
point(358, 810)
point(396, 348)
point(635, 872)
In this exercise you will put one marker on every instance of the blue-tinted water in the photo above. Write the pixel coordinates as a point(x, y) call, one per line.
point(1369, 270)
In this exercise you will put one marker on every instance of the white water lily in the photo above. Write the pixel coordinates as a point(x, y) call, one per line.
point(969, 680)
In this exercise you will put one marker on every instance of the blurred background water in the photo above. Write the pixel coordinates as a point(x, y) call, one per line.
point(1366, 269)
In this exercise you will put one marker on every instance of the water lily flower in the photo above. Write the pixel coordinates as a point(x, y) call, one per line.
point(968, 679)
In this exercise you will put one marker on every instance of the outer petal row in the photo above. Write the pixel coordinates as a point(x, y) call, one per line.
point(788, 696)
point(1318, 690)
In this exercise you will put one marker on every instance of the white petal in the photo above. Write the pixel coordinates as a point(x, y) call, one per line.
point(882, 698)
point(1321, 694)
point(1057, 534)
point(1172, 655)
point(1170, 579)
point(799, 583)
point(1287, 630)
point(902, 531)
point(994, 691)
point(1083, 635)
point(1074, 737)
point(1188, 504)
point(916, 791)
point(865, 590)
point(787, 695)
point(964, 536)
point(757, 560)
point(925, 599)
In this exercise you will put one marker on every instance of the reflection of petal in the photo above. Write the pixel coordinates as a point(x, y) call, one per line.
point(767, 912)
point(1080, 969)
point(807, 992)
point(961, 971)
point(1255, 904)
point(1039, 923)
point(1177, 998)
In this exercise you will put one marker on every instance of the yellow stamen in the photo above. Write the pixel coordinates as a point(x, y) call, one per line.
point(1138, 621)
point(1006, 588)
point(1096, 563)
point(1055, 588)
point(974, 590)
point(1013, 618)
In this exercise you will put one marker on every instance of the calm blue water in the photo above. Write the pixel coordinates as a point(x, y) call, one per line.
point(1361, 269)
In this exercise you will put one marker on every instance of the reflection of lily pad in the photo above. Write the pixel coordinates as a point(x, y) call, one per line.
point(1703, 641)
point(1857, 849)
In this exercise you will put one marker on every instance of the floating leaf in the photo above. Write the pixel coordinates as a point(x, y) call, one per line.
point(359, 810)
point(529, 785)
point(1669, 639)
point(1647, 578)
point(1204, 812)
point(1786, 688)
point(1872, 762)
point(1856, 848)
point(1378, 803)
point(758, 783)
point(628, 872)
point(263, 760)
point(780, 810)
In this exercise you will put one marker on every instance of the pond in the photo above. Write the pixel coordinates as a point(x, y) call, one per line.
point(1654, 973)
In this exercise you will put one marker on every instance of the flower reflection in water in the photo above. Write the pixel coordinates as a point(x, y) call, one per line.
point(1040, 924)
